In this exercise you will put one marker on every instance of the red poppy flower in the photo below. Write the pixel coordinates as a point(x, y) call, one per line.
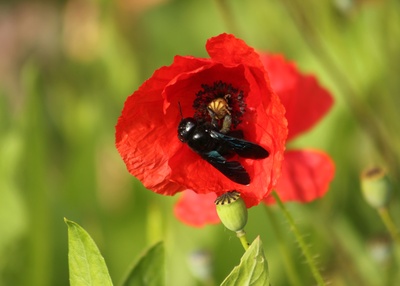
point(306, 174)
point(146, 132)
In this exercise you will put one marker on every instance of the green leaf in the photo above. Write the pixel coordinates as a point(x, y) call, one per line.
point(86, 265)
point(252, 270)
point(149, 270)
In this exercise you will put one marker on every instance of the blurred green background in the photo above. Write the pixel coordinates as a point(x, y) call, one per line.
point(66, 68)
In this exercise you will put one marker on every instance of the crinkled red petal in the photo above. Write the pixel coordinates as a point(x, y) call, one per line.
point(141, 132)
point(305, 100)
point(196, 209)
point(306, 175)
point(231, 51)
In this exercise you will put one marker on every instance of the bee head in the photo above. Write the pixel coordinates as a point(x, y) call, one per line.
point(185, 128)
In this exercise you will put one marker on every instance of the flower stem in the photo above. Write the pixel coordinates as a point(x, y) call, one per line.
point(303, 246)
point(387, 220)
point(287, 261)
point(241, 234)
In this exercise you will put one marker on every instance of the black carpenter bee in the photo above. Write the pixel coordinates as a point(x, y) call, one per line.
point(215, 148)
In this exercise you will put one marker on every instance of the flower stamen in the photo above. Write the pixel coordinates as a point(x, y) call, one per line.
point(220, 104)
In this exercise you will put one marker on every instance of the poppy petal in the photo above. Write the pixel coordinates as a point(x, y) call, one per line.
point(143, 122)
point(196, 209)
point(305, 100)
point(228, 49)
point(306, 175)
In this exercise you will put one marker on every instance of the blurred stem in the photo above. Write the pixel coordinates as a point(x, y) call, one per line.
point(287, 261)
point(241, 234)
point(227, 16)
point(387, 220)
point(363, 114)
point(40, 238)
point(154, 225)
point(303, 246)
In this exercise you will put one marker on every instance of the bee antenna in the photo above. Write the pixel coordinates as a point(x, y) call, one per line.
point(180, 109)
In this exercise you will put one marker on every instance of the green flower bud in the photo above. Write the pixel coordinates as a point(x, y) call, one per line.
point(376, 187)
point(232, 211)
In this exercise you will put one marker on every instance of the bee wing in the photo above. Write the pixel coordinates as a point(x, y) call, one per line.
point(231, 169)
point(241, 147)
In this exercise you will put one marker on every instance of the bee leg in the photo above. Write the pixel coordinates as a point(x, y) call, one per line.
point(214, 120)
point(226, 124)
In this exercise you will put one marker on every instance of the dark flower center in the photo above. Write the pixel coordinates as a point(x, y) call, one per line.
point(218, 102)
